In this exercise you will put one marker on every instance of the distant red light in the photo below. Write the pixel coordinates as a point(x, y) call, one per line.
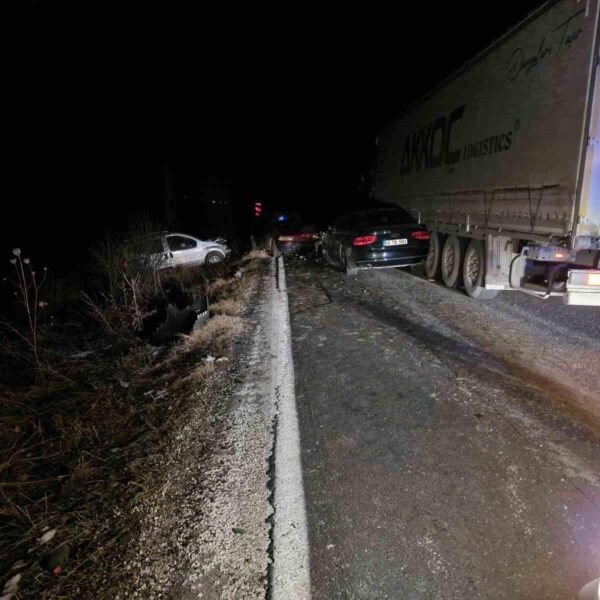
point(420, 235)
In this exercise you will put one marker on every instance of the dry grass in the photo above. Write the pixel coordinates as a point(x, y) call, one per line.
point(215, 335)
point(199, 373)
point(254, 255)
point(222, 288)
point(227, 306)
point(77, 451)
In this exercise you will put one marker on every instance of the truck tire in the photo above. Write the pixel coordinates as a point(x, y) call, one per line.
point(432, 262)
point(451, 261)
point(473, 272)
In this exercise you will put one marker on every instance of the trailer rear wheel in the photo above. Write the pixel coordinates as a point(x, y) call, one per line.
point(473, 272)
point(432, 262)
point(451, 261)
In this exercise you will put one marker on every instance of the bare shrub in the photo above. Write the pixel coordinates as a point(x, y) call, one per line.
point(187, 275)
point(74, 450)
point(124, 313)
point(27, 285)
point(132, 280)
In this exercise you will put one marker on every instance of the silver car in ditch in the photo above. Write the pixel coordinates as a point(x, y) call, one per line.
point(167, 250)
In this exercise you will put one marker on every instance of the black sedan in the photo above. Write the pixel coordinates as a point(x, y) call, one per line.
point(375, 238)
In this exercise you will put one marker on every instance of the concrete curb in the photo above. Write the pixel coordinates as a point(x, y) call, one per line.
point(291, 559)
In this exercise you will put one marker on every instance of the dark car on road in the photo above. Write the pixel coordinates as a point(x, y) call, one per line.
point(375, 238)
point(286, 232)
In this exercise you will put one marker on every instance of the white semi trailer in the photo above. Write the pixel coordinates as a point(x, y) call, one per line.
point(502, 162)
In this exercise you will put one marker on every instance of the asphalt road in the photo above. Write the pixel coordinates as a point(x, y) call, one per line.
point(449, 447)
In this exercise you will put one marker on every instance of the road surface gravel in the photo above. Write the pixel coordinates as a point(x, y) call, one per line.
point(450, 448)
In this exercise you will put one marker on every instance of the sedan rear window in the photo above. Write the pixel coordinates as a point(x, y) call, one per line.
point(382, 217)
point(290, 225)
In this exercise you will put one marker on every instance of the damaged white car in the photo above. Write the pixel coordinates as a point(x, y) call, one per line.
point(167, 250)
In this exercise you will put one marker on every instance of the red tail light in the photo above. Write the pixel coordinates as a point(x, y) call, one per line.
point(420, 235)
point(364, 240)
point(298, 237)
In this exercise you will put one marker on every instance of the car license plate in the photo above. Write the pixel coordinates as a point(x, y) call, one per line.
point(400, 242)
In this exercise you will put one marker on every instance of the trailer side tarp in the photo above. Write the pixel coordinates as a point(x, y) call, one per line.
point(502, 141)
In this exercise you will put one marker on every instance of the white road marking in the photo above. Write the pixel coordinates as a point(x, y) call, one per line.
point(291, 559)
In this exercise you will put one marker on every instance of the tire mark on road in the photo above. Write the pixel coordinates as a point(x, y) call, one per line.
point(514, 377)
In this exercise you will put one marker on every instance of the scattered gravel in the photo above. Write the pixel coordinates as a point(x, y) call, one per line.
point(533, 338)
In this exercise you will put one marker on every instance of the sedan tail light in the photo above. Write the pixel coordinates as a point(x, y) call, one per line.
point(364, 240)
point(420, 235)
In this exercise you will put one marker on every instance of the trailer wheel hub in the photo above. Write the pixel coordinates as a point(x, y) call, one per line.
point(431, 257)
point(449, 259)
point(473, 267)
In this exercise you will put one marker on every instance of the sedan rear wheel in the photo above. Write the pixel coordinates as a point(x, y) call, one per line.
point(451, 261)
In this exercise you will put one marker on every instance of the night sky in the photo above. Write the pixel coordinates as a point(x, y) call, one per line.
point(283, 102)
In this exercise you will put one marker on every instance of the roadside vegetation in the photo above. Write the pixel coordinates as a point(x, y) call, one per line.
point(87, 402)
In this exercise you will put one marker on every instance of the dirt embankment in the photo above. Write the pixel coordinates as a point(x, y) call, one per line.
point(89, 450)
